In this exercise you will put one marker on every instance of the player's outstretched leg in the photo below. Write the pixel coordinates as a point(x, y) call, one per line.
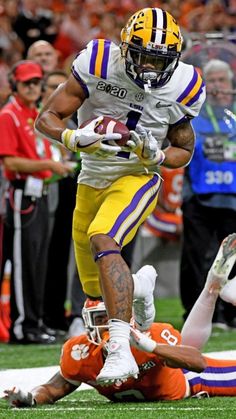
point(217, 277)
point(198, 326)
point(143, 304)
point(228, 292)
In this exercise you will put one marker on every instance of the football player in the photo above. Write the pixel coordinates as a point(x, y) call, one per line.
point(168, 370)
point(143, 84)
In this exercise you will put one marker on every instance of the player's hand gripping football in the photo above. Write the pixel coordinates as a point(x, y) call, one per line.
point(141, 341)
point(18, 398)
point(88, 141)
point(145, 146)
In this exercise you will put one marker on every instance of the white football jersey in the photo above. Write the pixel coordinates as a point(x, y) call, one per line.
point(100, 70)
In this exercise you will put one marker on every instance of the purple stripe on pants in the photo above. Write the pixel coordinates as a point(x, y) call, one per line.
point(132, 206)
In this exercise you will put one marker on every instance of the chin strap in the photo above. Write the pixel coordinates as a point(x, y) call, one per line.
point(147, 87)
point(103, 253)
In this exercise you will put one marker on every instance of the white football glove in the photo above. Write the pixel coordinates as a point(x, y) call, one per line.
point(18, 398)
point(88, 141)
point(145, 146)
point(141, 341)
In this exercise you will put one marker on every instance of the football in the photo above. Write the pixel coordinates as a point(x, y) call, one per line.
point(110, 125)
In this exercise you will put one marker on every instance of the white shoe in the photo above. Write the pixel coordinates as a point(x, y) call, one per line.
point(217, 276)
point(119, 365)
point(76, 328)
point(143, 308)
point(228, 292)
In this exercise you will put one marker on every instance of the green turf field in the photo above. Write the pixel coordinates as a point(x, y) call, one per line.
point(88, 404)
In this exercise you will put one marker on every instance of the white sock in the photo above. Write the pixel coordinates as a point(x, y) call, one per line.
point(119, 331)
point(198, 326)
point(139, 287)
point(228, 292)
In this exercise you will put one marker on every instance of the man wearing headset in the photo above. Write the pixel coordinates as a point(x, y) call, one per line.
point(27, 162)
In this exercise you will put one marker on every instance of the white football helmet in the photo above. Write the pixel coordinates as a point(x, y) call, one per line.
point(95, 319)
point(151, 45)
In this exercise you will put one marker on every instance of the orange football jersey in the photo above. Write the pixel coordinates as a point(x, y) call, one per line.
point(81, 361)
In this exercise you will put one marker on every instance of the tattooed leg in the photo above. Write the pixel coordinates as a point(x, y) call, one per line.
point(115, 278)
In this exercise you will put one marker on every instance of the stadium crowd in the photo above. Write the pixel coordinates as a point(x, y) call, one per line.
point(69, 25)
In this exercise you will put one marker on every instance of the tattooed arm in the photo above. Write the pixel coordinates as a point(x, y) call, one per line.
point(180, 151)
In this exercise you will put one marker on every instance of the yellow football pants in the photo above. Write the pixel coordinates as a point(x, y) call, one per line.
point(117, 211)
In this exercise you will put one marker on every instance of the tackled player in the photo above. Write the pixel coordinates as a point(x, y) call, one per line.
point(168, 370)
point(118, 187)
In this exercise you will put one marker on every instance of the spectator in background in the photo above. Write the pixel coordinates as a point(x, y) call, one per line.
point(208, 18)
point(5, 90)
point(76, 24)
point(109, 28)
point(33, 24)
point(27, 162)
point(45, 54)
point(9, 40)
point(209, 190)
point(11, 46)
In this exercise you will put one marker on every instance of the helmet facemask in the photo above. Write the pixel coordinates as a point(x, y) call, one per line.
point(95, 320)
point(152, 68)
point(151, 53)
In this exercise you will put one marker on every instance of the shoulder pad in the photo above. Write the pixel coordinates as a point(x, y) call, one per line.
point(99, 57)
point(192, 88)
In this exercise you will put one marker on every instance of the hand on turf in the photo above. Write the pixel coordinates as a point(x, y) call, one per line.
point(88, 141)
point(18, 398)
point(141, 341)
point(145, 146)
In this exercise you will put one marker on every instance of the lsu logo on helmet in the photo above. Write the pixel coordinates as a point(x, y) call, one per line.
point(151, 45)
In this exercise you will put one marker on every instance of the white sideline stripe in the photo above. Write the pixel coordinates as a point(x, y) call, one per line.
point(27, 378)
point(222, 354)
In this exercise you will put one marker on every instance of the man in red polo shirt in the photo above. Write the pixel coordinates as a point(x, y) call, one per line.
point(27, 163)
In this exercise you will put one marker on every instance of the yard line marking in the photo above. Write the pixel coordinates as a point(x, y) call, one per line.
point(28, 378)
point(128, 408)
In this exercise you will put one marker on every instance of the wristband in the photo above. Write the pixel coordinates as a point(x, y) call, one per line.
point(150, 345)
point(69, 139)
point(142, 341)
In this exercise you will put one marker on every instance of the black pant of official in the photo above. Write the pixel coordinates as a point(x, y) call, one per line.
point(59, 255)
point(26, 229)
point(204, 230)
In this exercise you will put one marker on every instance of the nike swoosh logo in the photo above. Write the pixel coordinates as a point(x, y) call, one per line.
point(162, 105)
